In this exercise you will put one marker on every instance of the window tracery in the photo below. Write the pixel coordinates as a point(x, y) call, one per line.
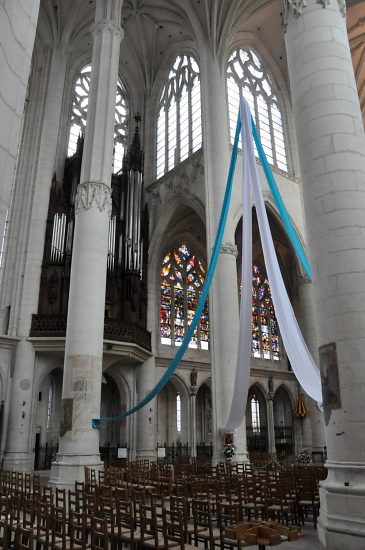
point(80, 103)
point(179, 131)
point(247, 77)
point(182, 277)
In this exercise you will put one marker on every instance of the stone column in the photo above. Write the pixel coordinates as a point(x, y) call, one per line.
point(193, 442)
point(79, 442)
point(25, 292)
point(147, 416)
point(271, 423)
point(223, 297)
point(331, 146)
point(18, 22)
point(312, 427)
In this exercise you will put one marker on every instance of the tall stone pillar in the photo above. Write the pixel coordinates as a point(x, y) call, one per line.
point(81, 393)
point(271, 424)
point(25, 292)
point(331, 146)
point(192, 439)
point(223, 297)
point(312, 427)
point(147, 416)
point(18, 22)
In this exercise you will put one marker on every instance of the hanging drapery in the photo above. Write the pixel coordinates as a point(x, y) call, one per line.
point(301, 360)
point(203, 296)
point(299, 356)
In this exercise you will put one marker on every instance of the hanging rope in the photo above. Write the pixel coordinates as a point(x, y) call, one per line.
point(212, 265)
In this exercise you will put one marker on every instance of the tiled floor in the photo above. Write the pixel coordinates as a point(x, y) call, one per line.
point(309, 541)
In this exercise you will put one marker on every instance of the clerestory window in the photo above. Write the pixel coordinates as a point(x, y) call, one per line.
point(247, 77)
point(179, 128)
point(80, 103)
point(182, 277)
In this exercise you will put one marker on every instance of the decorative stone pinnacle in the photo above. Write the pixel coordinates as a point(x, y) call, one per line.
point(134, 158)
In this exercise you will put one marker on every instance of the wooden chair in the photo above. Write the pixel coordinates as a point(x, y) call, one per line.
point(151, 537)
point(229, 515)
point(99, 534)
point(173, 530)
point(43, 532)
point(24, 538)
point(59, 529)
point(75, 501)
point(204, 529)
point(4, 533)
point(77, 531)
point(106, 510)
point(14, 517)
point(308, 500)
point(182, 503)
point(127, 531)
point(279, 506)
point(253, 503)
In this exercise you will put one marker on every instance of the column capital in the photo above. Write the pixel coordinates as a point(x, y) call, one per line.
point(229, 248)
point(107, 24)
point(92, 193)
point(296, 8)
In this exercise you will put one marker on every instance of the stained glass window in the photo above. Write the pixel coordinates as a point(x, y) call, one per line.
point(179, 130)
point(247, 77)
point(182, 279)
point(265, 329)
point(80, 103)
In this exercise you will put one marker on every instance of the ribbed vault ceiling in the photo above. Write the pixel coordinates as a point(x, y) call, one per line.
point(155, 28)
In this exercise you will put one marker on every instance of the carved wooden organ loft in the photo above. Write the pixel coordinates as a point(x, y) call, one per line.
point(126, 286)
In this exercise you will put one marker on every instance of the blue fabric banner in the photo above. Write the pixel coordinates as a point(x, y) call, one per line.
point(280, 204)
point(212, 265)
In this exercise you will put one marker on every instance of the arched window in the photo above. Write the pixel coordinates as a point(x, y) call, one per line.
point(80, 103)
point(182, 278)
point(265, 329)
point(246, 77)
point(50, 405)
point(178, 413)
point(255, 414)
point(179, 130)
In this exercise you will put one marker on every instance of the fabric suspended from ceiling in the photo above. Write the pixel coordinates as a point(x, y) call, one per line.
point(301, 360)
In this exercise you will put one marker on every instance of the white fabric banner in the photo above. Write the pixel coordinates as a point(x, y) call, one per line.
point(301, 360)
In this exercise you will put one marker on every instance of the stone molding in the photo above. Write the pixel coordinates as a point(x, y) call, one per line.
point(92, 193)
point(229, 248)
point(297, 6)
point(107, 24)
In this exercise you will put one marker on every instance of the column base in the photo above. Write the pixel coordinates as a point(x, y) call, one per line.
point(341, 523)
point(146, 454)
point(20, 461)
point(67, 469)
